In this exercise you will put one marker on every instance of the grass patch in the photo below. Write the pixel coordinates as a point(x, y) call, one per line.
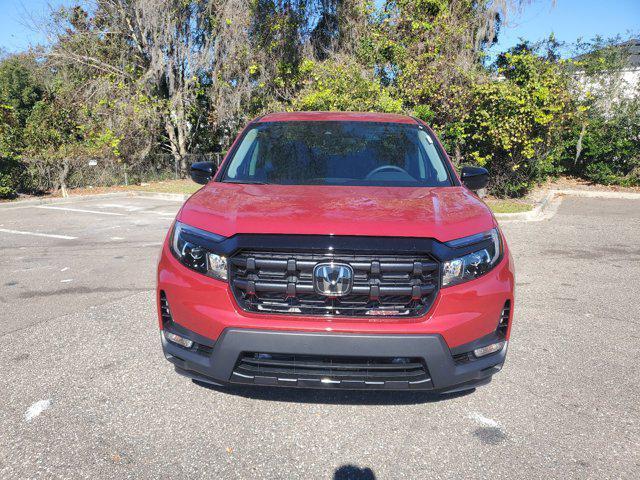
point(508, 206)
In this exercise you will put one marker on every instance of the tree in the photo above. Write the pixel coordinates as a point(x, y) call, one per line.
point(52, 140)
point(603, 143)
point(431, 51)
point(180, 56)
point(335, 85)
point(514, 125)
point(9, 166)
point(19, 91)
point(293, 34)
point(18, 87)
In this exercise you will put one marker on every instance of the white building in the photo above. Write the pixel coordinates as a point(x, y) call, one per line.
point(622, 83)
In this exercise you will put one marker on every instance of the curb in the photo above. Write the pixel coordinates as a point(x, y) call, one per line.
point(598, 194)
point(534, 214)
point(539, 212)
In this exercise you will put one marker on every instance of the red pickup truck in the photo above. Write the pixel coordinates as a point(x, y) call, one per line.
point(336, 250)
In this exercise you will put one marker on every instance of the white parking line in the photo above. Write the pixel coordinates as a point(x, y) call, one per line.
point(36, 234)
point(487, 422)
point(128, 208)
point(164, 199)
point(163, 214)
point(96, 212)
point(36, 409)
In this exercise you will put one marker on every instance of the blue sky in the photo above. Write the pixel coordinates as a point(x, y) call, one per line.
point(15, 35)
point(568, 20)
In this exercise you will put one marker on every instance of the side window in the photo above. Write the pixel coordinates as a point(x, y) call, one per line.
point(422, 170)
point(435, 163)
point(254, 158)
point(241, 153)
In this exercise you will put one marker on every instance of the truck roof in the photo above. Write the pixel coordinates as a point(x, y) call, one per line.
point(336, 116)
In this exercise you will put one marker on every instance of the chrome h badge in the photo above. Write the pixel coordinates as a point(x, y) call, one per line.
point(333, 279)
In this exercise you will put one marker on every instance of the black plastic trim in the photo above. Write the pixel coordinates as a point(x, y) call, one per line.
point(360, 245)
point(493, 337)
point(445, 374)
point(173, 327)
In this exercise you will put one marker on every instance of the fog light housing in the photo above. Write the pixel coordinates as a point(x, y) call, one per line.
point(489, 349)
point(174, 338)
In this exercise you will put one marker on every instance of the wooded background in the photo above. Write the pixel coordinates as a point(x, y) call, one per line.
point(134, 90)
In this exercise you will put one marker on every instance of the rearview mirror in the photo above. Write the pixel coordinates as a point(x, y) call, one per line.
point(202, 172)
point(474, 178)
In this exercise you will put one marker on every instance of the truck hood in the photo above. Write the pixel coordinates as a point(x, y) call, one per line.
point(443, 213)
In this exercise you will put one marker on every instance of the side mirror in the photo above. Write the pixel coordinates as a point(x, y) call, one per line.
point(475, 178)
point(202, 172)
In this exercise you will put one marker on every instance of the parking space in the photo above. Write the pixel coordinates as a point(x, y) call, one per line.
point(61, 258)
point(86, 392)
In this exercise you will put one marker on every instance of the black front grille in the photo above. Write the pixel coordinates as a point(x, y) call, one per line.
point(327, 371)
point(383, 286)
point(462, 358)
point(503, 326)
point(165, 312)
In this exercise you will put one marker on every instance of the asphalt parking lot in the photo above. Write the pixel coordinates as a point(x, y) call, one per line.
point(86, 392)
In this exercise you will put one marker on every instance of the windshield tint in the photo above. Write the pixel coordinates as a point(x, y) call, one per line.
point(337, 153)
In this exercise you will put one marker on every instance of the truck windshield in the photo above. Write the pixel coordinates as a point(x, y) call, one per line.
point(337, 153)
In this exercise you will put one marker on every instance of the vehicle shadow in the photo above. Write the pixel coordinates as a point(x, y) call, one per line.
point(334, 397)
point(352, 472)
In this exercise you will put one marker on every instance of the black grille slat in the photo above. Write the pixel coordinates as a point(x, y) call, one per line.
point(296, 367)
point(388, 285)
point(302, 364)
point(308, 288)
point(335, 374)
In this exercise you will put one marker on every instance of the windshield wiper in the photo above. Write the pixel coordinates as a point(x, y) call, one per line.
point(247, 182)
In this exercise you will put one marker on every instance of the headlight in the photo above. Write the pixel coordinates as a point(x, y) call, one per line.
point(193, 248)
point(474, 264)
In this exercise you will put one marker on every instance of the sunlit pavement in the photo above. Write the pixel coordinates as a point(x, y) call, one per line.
point(86, 393)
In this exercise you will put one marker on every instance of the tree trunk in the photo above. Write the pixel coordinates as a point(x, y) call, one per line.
point(174, 144)
point(182, 148)
point(178, 138)
point(62, 177)
point(457, 156)
point(583, 131)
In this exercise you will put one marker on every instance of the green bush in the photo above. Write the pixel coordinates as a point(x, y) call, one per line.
point(514, 123)
point(344, 87)
point(611, 146)
point(10, 173)
point(602, 173)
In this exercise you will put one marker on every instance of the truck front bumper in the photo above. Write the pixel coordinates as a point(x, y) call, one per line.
point(217, 362)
